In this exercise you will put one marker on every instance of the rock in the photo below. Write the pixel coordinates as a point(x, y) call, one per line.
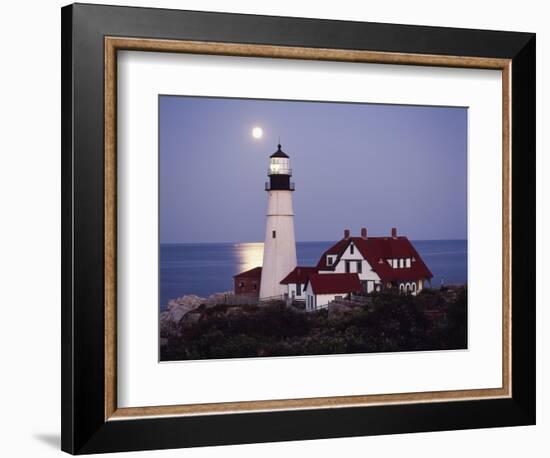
point(191, 318)
point(190, 300)
point(176, 311)
point(180, 312)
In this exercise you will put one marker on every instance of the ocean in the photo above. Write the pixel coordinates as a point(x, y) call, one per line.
point(207, 268)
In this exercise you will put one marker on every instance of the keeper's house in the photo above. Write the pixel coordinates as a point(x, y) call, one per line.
point(379, 263)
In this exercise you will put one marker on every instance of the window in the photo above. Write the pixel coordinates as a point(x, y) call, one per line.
point(255, 287)
point(408, 262)
point(298, 289)
point(273, 234)
point(359, 267)
point(401, 265)
point(329, 260)
point(347, 267)
point(351, 249)
point(241, 284)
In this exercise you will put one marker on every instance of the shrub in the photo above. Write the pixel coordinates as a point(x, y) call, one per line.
point(393, 322)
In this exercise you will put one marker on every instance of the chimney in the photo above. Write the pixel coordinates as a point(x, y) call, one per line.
point(394, 232)
point(364, 233)
point(346, 233)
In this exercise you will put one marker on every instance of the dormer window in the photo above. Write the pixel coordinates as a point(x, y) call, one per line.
point(330, 260)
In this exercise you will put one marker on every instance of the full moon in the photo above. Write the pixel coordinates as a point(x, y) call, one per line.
point(257, 132)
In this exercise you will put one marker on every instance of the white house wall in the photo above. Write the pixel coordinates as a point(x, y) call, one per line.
point(292, 289)
point(309, 293)
point(324, 299)
point(319, 300)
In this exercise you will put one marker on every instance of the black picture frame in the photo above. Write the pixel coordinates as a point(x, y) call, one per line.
point(84, 428)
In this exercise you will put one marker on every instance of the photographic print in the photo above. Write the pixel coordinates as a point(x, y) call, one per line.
point(294, 228)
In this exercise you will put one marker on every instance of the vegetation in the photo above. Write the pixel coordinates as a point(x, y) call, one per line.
point(433, 320)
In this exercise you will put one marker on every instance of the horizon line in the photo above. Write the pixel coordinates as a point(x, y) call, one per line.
point(306, 241)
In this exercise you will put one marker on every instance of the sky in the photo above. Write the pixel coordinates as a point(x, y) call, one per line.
point(354, 165)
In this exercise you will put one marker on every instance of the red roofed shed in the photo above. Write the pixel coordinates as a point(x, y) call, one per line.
point(248, 283)
point(324, 288)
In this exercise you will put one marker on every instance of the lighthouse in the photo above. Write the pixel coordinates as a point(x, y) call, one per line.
point(279, 245)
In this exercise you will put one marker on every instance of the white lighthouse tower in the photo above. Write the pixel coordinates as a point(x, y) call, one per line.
point(280, 245)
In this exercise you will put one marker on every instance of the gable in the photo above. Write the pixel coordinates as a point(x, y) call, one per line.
point(336, 250)
point(352, 252)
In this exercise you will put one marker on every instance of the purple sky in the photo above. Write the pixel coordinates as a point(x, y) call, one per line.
point(354, 165)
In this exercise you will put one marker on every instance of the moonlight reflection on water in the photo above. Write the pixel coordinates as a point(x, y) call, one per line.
point(249, 255)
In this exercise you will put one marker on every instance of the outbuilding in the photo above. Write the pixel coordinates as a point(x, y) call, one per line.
point(324, 288)
point(248, 283)
point(296, 283)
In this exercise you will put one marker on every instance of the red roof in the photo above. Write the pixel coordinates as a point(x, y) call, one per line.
point(252, 273)
point(335, 283)
point(300, 274)
point(376, 250)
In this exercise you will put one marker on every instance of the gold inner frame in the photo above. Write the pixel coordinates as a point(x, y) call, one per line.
point(114, 44)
